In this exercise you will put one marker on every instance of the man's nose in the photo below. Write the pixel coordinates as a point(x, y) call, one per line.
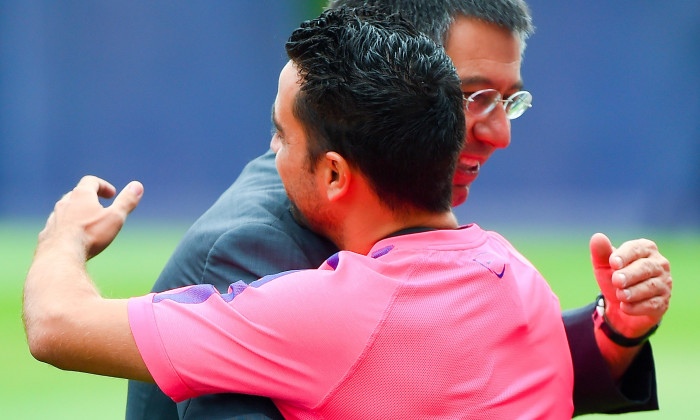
point(493, 128)
point(275, 144)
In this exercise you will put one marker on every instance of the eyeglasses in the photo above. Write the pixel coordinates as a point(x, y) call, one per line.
point(481, 103)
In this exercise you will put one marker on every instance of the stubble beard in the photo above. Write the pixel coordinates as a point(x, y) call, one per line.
point(317, 221)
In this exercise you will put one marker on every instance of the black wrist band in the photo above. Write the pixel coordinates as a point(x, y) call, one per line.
point(601, 321)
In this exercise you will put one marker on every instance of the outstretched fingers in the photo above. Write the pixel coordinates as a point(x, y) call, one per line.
point(128, 198)
point(93, 184)
point(79, 219)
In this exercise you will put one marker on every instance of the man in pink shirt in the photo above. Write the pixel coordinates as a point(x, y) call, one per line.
point(448, 323)
point(417, 317)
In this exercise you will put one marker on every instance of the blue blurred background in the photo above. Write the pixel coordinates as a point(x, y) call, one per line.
point(177, 94)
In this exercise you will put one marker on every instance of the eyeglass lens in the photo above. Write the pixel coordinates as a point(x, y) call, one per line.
point(484, 101)
point(518, 103)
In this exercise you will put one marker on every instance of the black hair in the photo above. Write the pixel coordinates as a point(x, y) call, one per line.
point(386, 98)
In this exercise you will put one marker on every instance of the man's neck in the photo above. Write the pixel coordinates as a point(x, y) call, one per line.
point(361, 233)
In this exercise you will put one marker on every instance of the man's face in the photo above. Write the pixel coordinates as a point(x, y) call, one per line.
point(486, 57)
point(303, 186)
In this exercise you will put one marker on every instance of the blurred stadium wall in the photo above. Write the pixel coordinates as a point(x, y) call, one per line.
point(177, 94)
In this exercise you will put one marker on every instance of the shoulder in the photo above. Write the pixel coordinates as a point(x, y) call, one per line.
point(499, 242)
point(244, 251)
point(247, 233)
point(254, 207)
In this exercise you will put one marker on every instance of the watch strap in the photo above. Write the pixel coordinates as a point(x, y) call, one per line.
point(601, 321)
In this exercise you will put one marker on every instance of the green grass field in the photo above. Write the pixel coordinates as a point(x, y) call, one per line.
point(31, 390)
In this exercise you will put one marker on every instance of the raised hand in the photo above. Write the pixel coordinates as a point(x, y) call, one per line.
point(80, 222)
point(636, 282)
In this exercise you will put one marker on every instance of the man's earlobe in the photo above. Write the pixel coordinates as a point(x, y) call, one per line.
point(338, 176)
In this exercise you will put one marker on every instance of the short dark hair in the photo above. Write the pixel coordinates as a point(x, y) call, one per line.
point(434, 17)
point(386, 98)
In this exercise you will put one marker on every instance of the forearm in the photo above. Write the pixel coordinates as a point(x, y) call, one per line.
point(595, 390)
point(49, 297)
point(617, 358)
point(69, 325)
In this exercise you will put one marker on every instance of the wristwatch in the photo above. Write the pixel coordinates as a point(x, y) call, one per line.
point(601, 321)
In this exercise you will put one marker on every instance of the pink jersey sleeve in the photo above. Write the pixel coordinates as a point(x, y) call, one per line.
point(144, 329)
point(266, 339)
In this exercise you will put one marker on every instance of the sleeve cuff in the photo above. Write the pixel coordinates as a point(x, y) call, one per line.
point(595, 391)
point(144, 328)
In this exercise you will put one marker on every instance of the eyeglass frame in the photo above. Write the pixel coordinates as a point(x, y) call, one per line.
point(469, 99)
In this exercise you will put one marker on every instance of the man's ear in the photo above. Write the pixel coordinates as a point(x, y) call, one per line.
point(337, 175)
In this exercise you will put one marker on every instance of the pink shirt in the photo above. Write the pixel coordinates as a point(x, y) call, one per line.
point(439, 324)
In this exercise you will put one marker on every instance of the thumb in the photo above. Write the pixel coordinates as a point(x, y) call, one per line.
point(128, 198)
point(601, 249)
